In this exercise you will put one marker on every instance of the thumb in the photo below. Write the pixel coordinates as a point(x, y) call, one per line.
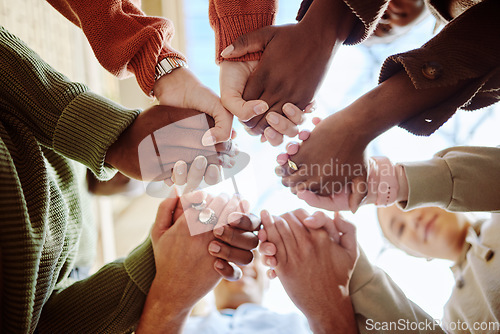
point(348, 230)
point(211, 105)
point(356, 196)
point(164, 217)
point(251, 42)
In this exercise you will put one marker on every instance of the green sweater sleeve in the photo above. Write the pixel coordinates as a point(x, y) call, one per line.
point(63, 115)
point(110, 301)
point(45, 120)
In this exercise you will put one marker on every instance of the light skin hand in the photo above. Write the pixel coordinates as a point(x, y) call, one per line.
point(178, 135)
point(326, 174)
point(182, 89)
point(233, 78)
point(183, 260)
point(325, 26)
point(310, 255)
point(349, 131)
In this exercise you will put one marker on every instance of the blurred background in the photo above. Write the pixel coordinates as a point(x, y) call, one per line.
point(124, 220)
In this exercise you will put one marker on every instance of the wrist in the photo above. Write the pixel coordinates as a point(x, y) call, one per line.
point(337, 319)
point(162, 315)
point(331, 19)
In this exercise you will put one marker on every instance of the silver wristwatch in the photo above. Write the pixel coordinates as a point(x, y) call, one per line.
point(167, 65)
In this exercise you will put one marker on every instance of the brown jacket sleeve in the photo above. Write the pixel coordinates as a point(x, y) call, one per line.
point(467, 49)
point(123, 38)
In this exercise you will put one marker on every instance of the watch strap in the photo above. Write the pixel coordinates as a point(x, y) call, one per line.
point(167, 65)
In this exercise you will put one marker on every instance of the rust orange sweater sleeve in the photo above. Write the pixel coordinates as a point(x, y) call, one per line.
point(231, 19)
point(123, 38)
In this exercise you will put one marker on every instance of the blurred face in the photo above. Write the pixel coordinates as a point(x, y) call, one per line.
point(249, 289)
point(425, 232)
point(398, 17)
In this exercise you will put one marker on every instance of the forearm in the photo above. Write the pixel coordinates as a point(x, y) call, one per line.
point(391, 103)
point(332, 20)
point(161, 314)
point(110, 301)
point(122, 37)
point(337, 318)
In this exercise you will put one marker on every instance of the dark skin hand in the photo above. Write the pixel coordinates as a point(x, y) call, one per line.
point(334, 153)
point(295, 58)
point(323, 173)
point(160, 136)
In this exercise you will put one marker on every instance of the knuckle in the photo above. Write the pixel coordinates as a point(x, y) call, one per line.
point(301, 212)
point(241, 41)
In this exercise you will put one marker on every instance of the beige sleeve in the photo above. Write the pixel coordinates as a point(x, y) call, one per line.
point(463, 178)
point(381, 307)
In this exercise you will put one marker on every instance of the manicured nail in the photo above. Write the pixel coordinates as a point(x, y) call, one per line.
point(200, 163)
point(214, 248)
point(282, 159)
point(180, 168)
point(289, 110)
point(234, 217)
point(219, 265)
point(219, 231)
point(304, 135)
point(273, 119)
point(227, 51)
point(309, 220)
point(260, 108)
point(208, 139)
point(213, 172)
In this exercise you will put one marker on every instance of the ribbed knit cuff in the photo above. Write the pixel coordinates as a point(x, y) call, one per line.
point(140, 266)
point(229, 28)
point(144, 64)
point(430, 183)
point(87, 127)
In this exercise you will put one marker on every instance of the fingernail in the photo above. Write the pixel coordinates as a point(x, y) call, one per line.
point(273, 119)
point(234, 217)
point(199, 163)
point(219, 231)
point(289, 110)
point(309, 219)
point(214, 248)
point(212, 172)
point(260, 108)
point(208, 139)
point(304, 135)
point(269, 262)
point(219, 265)
point(180, 168)
point(282, 159)
point(227, 51)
